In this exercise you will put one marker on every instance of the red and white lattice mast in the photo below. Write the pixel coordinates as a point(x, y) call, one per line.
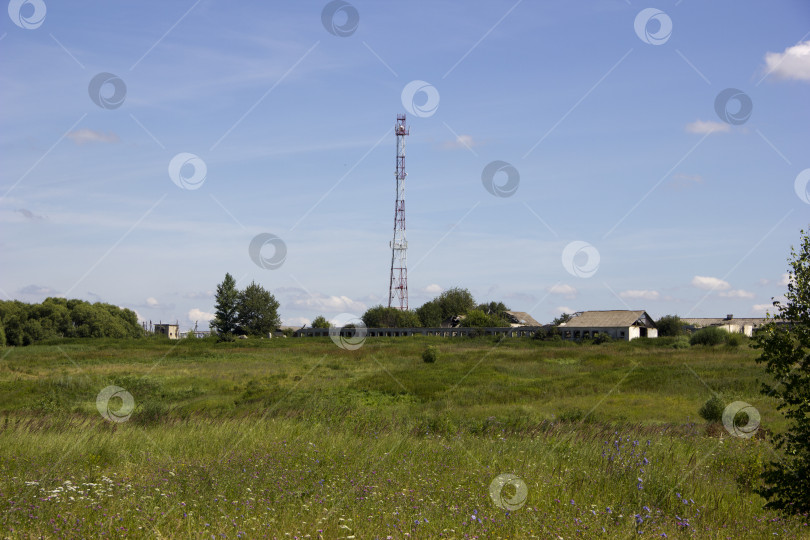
point(398, 285)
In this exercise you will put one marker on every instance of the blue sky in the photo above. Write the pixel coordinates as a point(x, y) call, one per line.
point(606, 112)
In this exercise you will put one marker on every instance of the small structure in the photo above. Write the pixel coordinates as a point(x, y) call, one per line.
point(520, 318)
point(171, 331)
point(618, 324)
point(452, 322)
point(728, 323)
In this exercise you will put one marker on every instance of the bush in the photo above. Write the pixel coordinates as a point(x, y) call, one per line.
point(430, 354)
point(712, 410)
point(226, 338)
point(735, 340)
point(708, 336)
point(669, 326)
point(681, 342)
point(602, 338)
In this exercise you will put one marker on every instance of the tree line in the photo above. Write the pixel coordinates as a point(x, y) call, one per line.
point(23, 324)
point(454, 302)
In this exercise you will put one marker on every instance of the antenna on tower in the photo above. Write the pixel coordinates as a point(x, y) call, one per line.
point(398, 284)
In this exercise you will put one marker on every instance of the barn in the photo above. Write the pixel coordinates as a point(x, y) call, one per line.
point(618, 324)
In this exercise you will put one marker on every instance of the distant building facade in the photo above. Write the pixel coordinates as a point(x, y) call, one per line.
point(729, 323)
point(618, 324)
point(171, 331)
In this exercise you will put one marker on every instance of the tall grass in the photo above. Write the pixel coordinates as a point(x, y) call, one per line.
point(297, 437)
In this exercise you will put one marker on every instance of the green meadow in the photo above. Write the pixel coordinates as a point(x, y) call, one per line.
point(298, 438)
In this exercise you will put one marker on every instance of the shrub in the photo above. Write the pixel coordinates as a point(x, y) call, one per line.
point(669, 326)
point(735, 340)
point(602, 338)
point(430, 354)
point(226, 338)
point(681, 342)
point(708, 336)
point(712, 410)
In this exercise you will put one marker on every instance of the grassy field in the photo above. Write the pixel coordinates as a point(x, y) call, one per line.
point(290, 438)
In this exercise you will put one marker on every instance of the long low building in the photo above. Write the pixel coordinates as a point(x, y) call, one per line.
point(618, 324)
point(744, 325)
point(513, 331)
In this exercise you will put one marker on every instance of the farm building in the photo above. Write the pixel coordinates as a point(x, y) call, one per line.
point(168, 330)
point(728, 323)
point(618, 324)
point(520, 318)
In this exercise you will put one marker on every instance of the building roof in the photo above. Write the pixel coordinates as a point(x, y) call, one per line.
point(717, 321)
point(611, 319)
point(521, 317)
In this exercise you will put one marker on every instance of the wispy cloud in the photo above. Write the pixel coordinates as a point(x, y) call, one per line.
point(195, 315)
point(710, 283)
point(707, 126)
point(563, 289)
point(642, 294)
point(38, 290)
point(85, 136)
point(462, 141)
point(28, 214)
point(737, 293)
point(793, 63)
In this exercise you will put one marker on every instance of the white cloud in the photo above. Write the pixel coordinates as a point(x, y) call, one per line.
point(762, 308)
point(433, 289)
point(462, 141)
point(559, 310)
point(199, 295)
point(84, 136)
point(786, 279)
point(794, 63)
point(563, 289)
point(298, 322)
point(334, 304)
point(641, 294)
point(199, 315)
point(38, 290)
point(710, 283)
point(152, 302)
point(737, 293)
point(706, 126)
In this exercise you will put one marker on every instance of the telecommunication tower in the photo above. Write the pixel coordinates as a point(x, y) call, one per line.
point(398, 284)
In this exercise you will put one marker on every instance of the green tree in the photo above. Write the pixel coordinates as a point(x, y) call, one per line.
point(498, 309)
point(785, 344)
point(669, 325)
point(225, 309)
point(477, 318)
point(430, 314)
point(563, 318)
point(320, 322)
point(257, 311)
point(390, 317)
point(455, 301)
